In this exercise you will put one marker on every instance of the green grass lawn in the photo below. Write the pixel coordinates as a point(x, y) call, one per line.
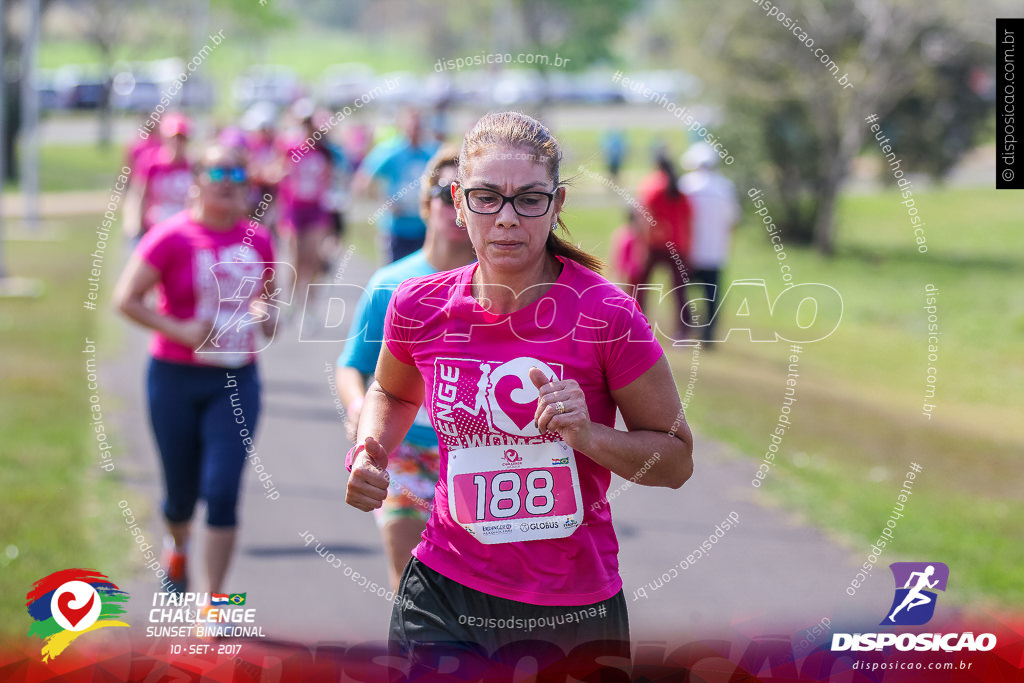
point(74, 168)
point(858, 422)
point(58, 504)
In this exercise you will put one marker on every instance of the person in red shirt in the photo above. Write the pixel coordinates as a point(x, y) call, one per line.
point(668, 240)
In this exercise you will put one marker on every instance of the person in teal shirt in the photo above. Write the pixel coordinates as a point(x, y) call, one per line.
point(397, 164)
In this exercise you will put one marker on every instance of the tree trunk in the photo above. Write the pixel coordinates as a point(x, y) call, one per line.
point(12, 126)
point(105, 117)
point(825, 221)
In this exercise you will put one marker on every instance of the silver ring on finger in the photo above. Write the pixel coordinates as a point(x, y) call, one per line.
point(561, 407)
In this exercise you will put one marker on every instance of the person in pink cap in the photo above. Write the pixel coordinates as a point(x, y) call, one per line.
point(167, 174)
point(521, 361)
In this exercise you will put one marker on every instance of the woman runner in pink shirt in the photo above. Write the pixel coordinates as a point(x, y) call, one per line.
point(521, 361)
point(166, 173)
point(212, 269)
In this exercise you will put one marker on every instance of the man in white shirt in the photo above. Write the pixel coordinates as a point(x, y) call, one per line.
point(716, 211)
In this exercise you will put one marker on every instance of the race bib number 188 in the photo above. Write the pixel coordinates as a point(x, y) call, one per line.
point(506, 494)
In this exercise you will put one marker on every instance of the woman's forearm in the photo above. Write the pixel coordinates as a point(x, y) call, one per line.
point(136, 309)
point(385, 417)
point(648, 457)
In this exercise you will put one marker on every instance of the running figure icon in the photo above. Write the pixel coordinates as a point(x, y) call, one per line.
point(916, 597)
point(243, 315)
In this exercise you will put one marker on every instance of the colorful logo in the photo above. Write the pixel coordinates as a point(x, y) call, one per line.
point(69, 603)
point(560, 461)
point(916, 583)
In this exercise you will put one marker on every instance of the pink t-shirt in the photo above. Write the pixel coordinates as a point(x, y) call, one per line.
point(308, 176)
point(166, 189)
point(628, 254)
point(481, 403)
point(137, 152)
point(212, 275)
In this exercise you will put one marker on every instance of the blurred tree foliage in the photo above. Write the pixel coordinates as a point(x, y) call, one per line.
point(583, 30)
point(792, 126)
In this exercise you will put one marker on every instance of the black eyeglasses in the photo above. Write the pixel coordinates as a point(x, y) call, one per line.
point(218, 174)
point(444, 192)
point(526, 204)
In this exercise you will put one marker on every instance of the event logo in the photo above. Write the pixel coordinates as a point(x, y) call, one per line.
point(70, 603)
point(512, 457)
point(241, 296)
point(914, 603)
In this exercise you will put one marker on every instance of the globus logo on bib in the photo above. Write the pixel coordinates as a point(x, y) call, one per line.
point(916, 583)
point(534, 526)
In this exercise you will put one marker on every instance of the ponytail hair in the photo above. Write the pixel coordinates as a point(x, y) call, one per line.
point(664, 165)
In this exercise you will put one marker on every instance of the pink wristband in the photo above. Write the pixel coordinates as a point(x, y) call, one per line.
point(350, 457)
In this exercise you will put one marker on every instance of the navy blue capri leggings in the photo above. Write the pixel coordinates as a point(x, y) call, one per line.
point(200, 416)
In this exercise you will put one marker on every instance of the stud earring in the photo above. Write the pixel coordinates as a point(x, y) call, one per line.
point(554, 226)
point(458, 222)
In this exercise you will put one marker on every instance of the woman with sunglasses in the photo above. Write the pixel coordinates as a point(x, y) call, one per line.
point(521, 361)
point(210, 268)
point(413, 466)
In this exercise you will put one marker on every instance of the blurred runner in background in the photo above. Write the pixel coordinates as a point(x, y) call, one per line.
point(716, 211)
point(337, 201)
point(629, 249)
point(397, 164)
point(613, 144)
point(308, 169)
point(166, 173)
point(136, 160)
point(668, 239)
point(260, 122)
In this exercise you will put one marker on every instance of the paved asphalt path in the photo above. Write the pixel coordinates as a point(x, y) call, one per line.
point(770, 574)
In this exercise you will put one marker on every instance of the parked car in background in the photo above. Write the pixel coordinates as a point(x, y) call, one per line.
point(267, 83)
point(343, 83)
point(80, 86)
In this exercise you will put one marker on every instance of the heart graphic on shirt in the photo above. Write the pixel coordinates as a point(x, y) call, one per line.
point(518, 400)
point(73, 614)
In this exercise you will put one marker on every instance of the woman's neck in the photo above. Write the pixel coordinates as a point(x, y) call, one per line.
point(504, 293)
